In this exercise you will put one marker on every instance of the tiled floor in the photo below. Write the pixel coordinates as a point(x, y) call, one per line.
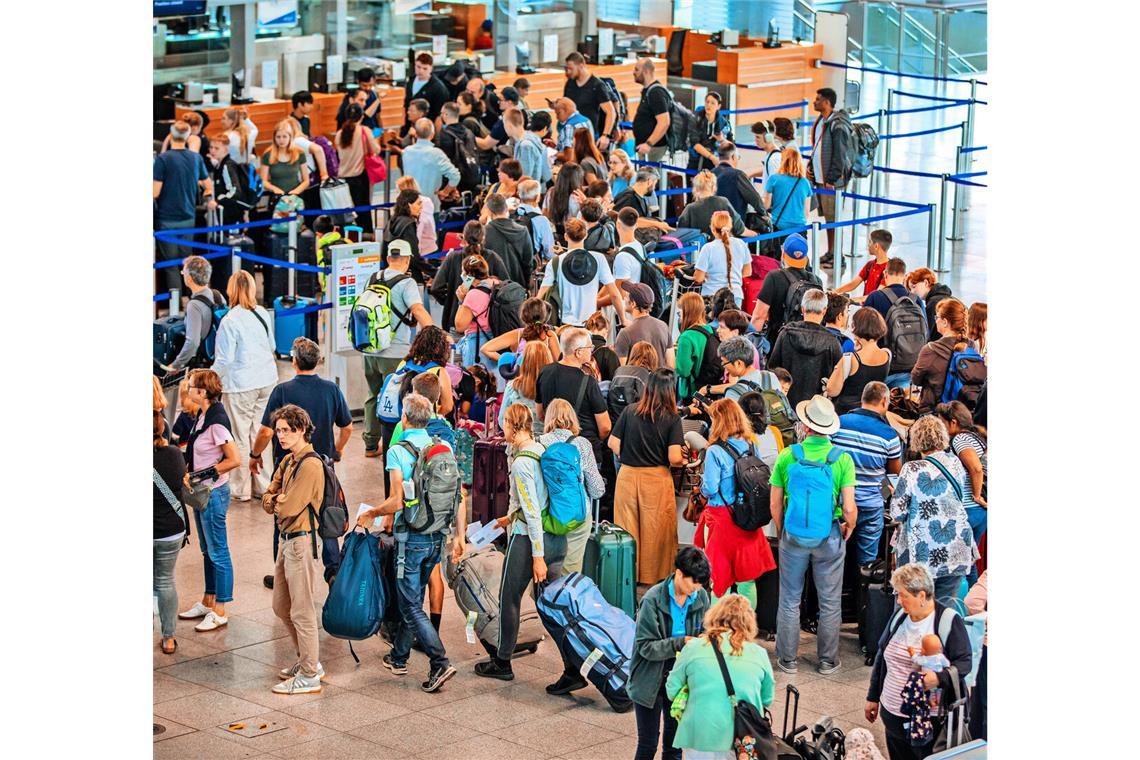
point(224, 676)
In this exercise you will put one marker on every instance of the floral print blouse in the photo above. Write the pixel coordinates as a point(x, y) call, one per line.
point(935, 530)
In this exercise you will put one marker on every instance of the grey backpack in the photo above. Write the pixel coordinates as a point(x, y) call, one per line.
point(438, 484)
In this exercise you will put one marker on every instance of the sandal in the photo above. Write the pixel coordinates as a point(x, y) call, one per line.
point(173, 646)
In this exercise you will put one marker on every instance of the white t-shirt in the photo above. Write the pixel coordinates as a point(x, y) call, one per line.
point(626, 265)
point(579, 301)
point(303, 143)
point(711, 260)
point(404, 296)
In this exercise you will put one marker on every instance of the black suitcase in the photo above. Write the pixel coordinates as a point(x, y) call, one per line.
point(308, 285)
point(169, 335)
point(768, 595)
point(222, 268)
point(809, 605)
point(876, 597)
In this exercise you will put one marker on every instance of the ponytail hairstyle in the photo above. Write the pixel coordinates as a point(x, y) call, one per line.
point(473, 239)
point(237, 117)
point(352, 118)
point(534, 314)
point(954, 312)
point(721, 226)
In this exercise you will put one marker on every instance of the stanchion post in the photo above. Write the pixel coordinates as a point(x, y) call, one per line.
point(956, 219)
point(931, 233)
point(662, 184)
point(235, 260)
point(387, 177)
point(813, 234)
point(175, 302)
point(902, 37)
point(674, 310)
point(879, 122)
point(887, 151)
point(970, 113)
point(942, 226)
point(292, 256)
point(805, 124)
point(837, 254)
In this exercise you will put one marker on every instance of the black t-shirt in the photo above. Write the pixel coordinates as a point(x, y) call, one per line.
point(645, 443)
point(654, 101)
point(605, 358)
point(323, 401)
point(774, 292)
point(632, 199)
point(171, 466)
point(560, 381)
point(589, 98)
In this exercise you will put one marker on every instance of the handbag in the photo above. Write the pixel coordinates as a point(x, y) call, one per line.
point(374, 166)
point(695, 506)
point(197, 495)
point(336, 195)
point(752, 737)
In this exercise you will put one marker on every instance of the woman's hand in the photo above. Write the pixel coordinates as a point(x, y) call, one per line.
point(871, 711)
point(539, 569)
point(503, 522)
point(931, 680)
point(186, 480)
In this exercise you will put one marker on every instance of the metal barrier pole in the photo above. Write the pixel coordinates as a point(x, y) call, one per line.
point(175, 302)
point(876, 208)
point(942, 228)
point(970, 113)
point(662, 184)
point(673, 311)
point(959, 192)
point(292, 256)
point(813, 233)
point(931, 233)
point(387, 177)
point(805, 125)
point(890, 101)
point(235, 260)
point(837, 254)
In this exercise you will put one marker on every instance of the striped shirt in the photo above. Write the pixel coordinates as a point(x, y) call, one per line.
point(871, 441)
point(960, 443)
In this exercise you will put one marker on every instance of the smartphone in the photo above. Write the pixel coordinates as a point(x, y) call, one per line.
point(701, 399)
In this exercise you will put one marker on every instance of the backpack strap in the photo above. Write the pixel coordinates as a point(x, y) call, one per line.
point(776, 221)
point(174, 503)
point(951, 478)
point(798, 452)
point(834, 454)
point(946, 624)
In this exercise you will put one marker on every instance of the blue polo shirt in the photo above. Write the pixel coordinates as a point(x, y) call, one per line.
point(678, 613)
point(871, 441)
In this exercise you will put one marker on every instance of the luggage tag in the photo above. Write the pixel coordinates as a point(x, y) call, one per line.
point(470, 629)
point(590, 661)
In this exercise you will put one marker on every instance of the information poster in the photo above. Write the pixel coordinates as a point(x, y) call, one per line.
point(353, 264)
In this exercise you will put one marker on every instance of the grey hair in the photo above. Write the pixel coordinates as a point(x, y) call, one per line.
point(874, 392)
point(736, 349)
point(198, 269)
point(528, 190)
point(815, 301)
point(417, 411)
point(424, 128)
point(179, 135)
point(927, 434)
point(646, 174)
point(306, 352)
point(913, 578)
point(573, 339)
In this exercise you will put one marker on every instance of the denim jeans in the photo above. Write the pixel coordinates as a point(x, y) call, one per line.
point(217, 568)
point(868, 533)
point(898, 380)
point(649, 728)
point(421, 555)
point(165, 555)
point(826, 561)
point(946, 590)
point(979, 518)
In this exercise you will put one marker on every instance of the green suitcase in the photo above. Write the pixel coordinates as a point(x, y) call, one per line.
point(610, 561)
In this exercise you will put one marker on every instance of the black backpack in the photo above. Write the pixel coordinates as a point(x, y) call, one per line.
point(526, 219)
point(906, 330)
point(711, 370)
point(506, 299)
point(332, 519)
point(681, 121)
point(655, 279)
point(625, 389)
point(797, 286)
point(617, 97)
point(751, 508)
point(462, 154)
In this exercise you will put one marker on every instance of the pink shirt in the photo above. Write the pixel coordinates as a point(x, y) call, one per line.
point(479, 302)
point(208, 449)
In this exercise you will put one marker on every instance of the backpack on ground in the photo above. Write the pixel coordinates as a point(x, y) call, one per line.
point(655, 280)
point(965, 375)
point(681, 121)
point(438, 488)
point(625, 390)
point(566, 505)
point(906, 330)
point(390, 400)
point(710, 371)
point(866, 140)
point(218, 307)
point(811, 497)
point(751, 507)
point(374, 320)
point(617, 97)
point(506, 298)
point(355, 605)
point(332, 160)
point(797, 287)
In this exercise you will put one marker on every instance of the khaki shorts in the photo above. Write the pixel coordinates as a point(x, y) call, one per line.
point(826, 205)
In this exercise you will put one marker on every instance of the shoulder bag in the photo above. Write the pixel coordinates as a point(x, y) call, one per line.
point(752, 737)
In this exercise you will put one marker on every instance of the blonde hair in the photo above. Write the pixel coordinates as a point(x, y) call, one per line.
point(729, 421)
point(561, 416)
point(271, 155)
point(241, 290)
point(721, 226)
point(928, 434)
point(732, 614)
point(518, 419)
point(535, 356)
point(407, 182)
point(704, 185)
point(626, 170)
point(237, 117)
point(792, 163)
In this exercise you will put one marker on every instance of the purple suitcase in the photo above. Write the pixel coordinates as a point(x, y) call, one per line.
point(490, 487)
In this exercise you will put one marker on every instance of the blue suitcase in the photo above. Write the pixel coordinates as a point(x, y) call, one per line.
point(287, 328)
point(169, 335)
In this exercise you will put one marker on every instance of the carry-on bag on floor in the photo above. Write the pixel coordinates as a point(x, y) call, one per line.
point(289, 327)
point(809, 605)
point(475, 579)
point(490, 481)
point(784, 748)
point(610, 560)
point(588, 630)
point(222, 267)
point(355, 605)
point(768, 595)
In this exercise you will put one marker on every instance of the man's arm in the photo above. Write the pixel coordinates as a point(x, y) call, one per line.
point(610, 121)
point(659, 129)
point(447, 169)
point(748, 191)
point(776, 505)
point(370, 111)
point(850, 513)
point(264, 436)
point(157, 187)
point(423, 319)
point(615, 299)
point(197, 326)
point(851, 285)
point(602, 420)
point(343, 436)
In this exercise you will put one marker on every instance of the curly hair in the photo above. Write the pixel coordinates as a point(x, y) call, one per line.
point(430, 345)
point(296, 418)
point(732, 614)
point(928, 434)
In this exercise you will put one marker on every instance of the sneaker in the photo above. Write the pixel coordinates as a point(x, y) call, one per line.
point(286, 673)
point(827, 668)
point(268, 581)
point(787, 667)
point(199, 610)
point(622, 706)
point(211, 622)
point(298, 684)
point(566, 685)
point(437, 678)
point(400, 669)
point(372, 453)
point(492, 669)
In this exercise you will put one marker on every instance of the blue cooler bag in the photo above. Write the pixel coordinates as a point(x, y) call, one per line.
point(355, 605)
point(588, 628)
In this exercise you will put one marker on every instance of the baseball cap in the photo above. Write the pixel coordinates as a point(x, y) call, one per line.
point(795, 251)
point(640, 293)
point(508, 365)
point(399, 248)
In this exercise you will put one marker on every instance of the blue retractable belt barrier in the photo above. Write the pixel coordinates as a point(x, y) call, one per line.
point(674, 191)
point(923, 132)
point(907, 172)
point(957, 181)
point(670, 167)
point(920, 96)
point(834, 65)
point(222, 227)
point(976, 147)
point(319, 211)
point(283, 264)
point(304, 309)
point(673, 253)
point(872, 219)
point(161, 297)
point(800, 104)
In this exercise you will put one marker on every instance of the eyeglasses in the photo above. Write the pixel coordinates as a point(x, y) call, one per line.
point(283, 430)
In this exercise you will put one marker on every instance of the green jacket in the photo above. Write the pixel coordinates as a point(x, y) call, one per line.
point(652, 644)
point(690, 351)
point(706, 724)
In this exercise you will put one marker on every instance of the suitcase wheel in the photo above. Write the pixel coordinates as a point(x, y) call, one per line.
point(532, 648)
point(869, 660)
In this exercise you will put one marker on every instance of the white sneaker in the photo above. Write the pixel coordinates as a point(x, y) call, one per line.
point(287, 673)
point(298, 684)
point(212, 621)
point(199, 610)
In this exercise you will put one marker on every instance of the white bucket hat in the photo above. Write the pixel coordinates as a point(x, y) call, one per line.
point(818, 414)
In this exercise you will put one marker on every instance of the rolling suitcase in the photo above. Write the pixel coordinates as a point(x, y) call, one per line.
point(475, 579)
point(809, 607)
point(876, 597)
point(289, 327)
point(222, 268)
point(169, 335)
point(490, 480)
point(610, 561)
point(307, 282)
point(587, 629)
point(768, 595)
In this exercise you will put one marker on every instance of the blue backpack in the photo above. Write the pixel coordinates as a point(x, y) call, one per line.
point(561, 467)
point(965, 375)
point(811, 498)
point(438, 427)
point(390, 402)
point(356, 602)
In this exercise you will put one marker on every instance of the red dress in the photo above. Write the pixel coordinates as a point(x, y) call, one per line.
point(735, 555)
